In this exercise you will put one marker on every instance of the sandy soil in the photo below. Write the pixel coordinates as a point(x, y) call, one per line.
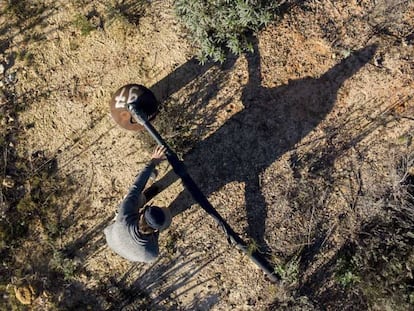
point(328, 93)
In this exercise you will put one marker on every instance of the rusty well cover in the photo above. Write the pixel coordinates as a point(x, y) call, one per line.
point(132, 94)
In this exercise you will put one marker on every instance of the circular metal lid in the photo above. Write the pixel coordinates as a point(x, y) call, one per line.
point(132, 94)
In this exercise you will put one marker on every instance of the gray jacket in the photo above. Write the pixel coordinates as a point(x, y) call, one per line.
point(123, 236)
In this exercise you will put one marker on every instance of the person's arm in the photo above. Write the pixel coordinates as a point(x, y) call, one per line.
point(130, 203)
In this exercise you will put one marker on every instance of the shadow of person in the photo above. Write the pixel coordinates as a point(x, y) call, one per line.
point(272, 122)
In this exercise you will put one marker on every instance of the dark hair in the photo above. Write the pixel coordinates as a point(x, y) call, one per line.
point(143, 227)
point(155, 217)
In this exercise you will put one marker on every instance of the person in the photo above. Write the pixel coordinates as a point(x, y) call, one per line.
point(134, 234)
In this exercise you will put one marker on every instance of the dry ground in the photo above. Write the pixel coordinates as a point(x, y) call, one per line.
point(293, 145)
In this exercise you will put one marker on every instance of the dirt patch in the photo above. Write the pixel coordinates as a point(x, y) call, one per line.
point(283, 141)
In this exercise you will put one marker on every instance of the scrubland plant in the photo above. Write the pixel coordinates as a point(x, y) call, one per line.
point(127, 11)
point(23, 9)
point(378, 264)
point(220, 26)
point(83, 24)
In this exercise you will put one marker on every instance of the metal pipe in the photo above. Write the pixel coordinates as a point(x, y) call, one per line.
point(181, 170)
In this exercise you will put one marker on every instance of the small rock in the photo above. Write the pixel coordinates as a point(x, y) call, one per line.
point(8, 182)
point(12, 78)
point(2, 69)
point(24, 294)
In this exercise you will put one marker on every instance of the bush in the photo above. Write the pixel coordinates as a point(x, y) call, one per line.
point(220, 26)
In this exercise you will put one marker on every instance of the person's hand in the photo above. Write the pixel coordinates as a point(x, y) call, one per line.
point(158, 155)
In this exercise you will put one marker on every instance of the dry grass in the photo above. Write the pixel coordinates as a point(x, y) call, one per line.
point(348, 218)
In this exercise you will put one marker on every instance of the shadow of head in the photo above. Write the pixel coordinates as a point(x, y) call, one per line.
point(273, 121)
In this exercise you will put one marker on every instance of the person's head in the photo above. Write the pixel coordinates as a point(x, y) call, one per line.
point(154, 218)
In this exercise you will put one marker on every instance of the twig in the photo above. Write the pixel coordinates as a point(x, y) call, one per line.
point(5, 161)
point(405, 117)
point(310, 223)
point(328, 234)
point(407, 164)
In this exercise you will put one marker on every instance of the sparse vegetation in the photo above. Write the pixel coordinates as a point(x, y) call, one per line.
point(220, 27)
point(129, 11)
point(26, 57)
point(83, 24)
point(176, 128)
point(63, 265)
point(359, 256)
point(23, 9)
point(171, 242)
point(32, 196)
point(289, 271)
point(384, 256)
point(346, 275)
point(252, 247)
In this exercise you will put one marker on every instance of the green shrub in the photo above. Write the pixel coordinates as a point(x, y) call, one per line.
point(220, 26)
point(62, 265)
point(83, 24)
point(289, 271)
point(346, 274)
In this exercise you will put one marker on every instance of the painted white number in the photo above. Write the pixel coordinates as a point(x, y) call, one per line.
point(132, 96)
point(121, 101)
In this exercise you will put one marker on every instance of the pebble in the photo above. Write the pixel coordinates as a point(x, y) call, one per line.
point(25, 294)
point(2, 69)
point(12, 77)
point(8, 182)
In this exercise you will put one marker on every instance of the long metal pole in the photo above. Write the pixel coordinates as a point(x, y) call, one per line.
point(180, 169)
